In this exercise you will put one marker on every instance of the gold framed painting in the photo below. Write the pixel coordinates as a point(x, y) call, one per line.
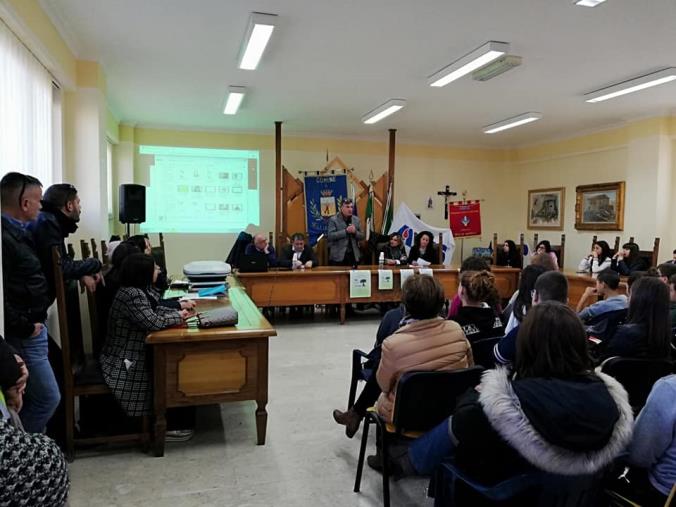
point(545, 208)
point(600, 207)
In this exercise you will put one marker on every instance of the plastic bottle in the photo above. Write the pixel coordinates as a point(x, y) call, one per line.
point(381, 260)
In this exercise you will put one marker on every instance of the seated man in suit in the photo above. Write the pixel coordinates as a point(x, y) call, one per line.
point(297, 255)
point(260, 245)
point(607, 284)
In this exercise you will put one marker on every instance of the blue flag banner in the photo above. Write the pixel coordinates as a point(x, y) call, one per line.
point(323, 196)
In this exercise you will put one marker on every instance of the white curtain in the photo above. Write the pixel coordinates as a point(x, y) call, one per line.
point(26, 111)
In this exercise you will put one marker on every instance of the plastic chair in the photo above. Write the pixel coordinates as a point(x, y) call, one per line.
point(536, 488)
point(637, 376)
point(424, 399)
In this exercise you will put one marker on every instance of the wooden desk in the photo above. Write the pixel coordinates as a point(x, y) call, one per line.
point(331, 285)
point(205, 366)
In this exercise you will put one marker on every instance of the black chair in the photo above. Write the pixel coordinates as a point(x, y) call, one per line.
point(603, 326)
point(637, 376)
point(424, 399)
point(482, 350)
point(451, 486)
point(360, 372)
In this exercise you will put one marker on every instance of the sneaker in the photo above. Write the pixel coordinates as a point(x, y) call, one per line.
point(375, 461)
point(350, 419)
point(179, 435)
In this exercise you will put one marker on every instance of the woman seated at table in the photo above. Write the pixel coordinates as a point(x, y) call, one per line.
point(477, 316)
point(509, 255)
point(394, 251)
point(134, 313)
point(423, 248)
point(647, 332)
point(545, 247)
point(598, 260)
point(628, 259)
point(555, 414)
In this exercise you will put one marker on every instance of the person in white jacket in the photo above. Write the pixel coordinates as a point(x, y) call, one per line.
point(599, 259)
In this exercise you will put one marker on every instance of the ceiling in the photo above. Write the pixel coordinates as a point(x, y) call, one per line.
point(169, 62)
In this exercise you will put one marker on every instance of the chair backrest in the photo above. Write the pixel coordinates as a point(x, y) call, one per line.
point(104, 252)
point(497, 246)
point(84, 248)
point(95, 249)
point(650, 256)
point(613, 249)
point(426, 398)
point(637, 376)
point(559, 250)
point(67, 302)
point(482, 350)
point(71, 251)
point(321, 250)
point(603, 326)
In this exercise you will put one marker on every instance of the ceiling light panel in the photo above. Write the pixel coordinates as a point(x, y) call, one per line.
point(588, 3)
point(234, 99)
point(632, 85)
point(258, 33)
point(383, 111)
point(510, 123)
point(468, 63)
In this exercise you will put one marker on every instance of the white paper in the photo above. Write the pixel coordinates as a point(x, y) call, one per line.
point(385, 279)
point(360, 283)
point(426, 271)
point(404, 274)
point(422, 262)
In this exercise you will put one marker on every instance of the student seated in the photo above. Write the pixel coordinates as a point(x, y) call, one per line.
point(522, 299)
point(134, 313)
point(297, 255)
point(476, 316)
point(607, 286)
point(545, 247)
point(473, 263)
point(395, 253)
point(647, 332)
point(598, 260)
point(32, 468)
point(260, 245)
point(627, 260)
point(548, 286)
point(555, 414)
point(423, 249)
point(652, 452)
point(509, 255)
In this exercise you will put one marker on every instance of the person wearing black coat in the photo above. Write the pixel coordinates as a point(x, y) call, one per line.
point(423, 248)
point(298, 254)
point(627, 260)
point(58, 219)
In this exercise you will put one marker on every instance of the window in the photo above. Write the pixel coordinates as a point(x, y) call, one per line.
point(27, 115)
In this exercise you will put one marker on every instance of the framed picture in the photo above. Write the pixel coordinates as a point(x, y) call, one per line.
point(545, 208)
point(600, 207)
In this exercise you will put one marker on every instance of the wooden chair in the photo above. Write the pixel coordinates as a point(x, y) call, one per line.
point(651, 256)
point(559, 250)
point(424, 399)
point(321, 250)
point(496, 247)
point(104, 252)
point(71, 251)
point(613, 250)
point(82, 375)
point(84, 248)
point(95, 249)
point(440, 249)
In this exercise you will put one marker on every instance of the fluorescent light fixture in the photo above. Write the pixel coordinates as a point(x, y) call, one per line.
point(468, 63)
point(632, 85)
point(383, 111)
point(509, 123)
point(256, 38)
point(234, 99)
point(588, 3)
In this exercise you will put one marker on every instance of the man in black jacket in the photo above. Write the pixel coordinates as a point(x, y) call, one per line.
point(26, 297)
point(298, 254)
point(58, 219)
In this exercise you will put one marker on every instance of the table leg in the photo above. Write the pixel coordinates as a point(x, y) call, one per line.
point(261, 422)
point(160, 399)
point(342, 313)
point(262, 391)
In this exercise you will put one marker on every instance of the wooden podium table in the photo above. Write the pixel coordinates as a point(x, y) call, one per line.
point(331, 285)
point(206, 366)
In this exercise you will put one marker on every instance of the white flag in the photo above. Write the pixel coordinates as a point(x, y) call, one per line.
point(408, 225)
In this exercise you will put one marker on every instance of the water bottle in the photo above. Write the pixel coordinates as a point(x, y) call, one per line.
point(381, 260)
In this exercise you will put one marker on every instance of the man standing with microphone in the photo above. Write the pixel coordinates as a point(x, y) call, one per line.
point(344, 234)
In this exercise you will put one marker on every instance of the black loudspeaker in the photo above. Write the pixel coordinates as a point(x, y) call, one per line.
point(132, 204)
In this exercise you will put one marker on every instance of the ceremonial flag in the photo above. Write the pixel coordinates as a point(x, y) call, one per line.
point(465, 218)
point(387, 215)
point(369, 214)
point(408, 225)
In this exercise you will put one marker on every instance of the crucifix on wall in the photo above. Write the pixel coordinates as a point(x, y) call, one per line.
point(446, 193)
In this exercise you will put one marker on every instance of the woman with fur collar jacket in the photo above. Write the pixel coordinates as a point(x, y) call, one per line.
point(555, 414)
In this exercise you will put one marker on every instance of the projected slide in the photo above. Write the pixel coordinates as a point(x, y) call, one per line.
point(201, 190)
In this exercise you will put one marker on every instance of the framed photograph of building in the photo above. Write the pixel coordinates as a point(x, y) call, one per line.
point(545, 208)
point(600, 207)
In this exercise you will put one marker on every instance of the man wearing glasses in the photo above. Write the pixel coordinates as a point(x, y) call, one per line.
point(26, 297)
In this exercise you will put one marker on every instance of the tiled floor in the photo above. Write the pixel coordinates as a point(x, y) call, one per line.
point(307, 459)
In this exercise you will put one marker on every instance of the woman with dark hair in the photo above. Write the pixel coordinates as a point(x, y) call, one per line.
point(647, 332)
point(598, 260)
point(523, 298)
point(509, 255)
point(627, 260)
point(423, 248)
point(134, 313)
point(394, 251)
point(554, 414)
point(473, 263)
point(476, 317)
point(545, 247)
